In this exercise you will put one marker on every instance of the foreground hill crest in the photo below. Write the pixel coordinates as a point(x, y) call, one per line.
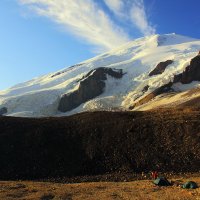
point(116, 80)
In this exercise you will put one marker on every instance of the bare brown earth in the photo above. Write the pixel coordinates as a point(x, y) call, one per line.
point(135, 190)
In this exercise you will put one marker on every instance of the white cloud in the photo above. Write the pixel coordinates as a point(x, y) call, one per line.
point(139, 18)
point(83, 18)
point(87, 20)
point(134, 11)
point(116, 6)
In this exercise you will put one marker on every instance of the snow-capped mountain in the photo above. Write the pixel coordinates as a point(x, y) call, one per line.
point(158, 70)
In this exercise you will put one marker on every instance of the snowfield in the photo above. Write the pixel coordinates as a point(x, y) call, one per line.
point(40, 97)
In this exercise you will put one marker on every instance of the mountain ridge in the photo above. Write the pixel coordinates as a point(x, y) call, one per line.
point(41, 96)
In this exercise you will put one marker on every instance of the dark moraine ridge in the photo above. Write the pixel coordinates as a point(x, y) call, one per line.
point(98, 143)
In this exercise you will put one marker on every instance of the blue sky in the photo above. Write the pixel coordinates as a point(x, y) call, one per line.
point(42, 36)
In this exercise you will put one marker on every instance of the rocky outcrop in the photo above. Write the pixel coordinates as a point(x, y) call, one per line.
point(66, 70)
point(91, 86)
point(145, 89)
point(3, 111)
point(191, 73)
point(160, 68)
point(163, 89)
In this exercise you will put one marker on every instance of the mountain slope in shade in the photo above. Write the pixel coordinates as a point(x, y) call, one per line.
point(118, 80)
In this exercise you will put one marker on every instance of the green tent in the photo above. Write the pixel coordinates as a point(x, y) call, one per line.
point(161, 181)
point(190, 185)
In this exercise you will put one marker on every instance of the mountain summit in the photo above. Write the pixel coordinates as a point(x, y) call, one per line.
point(149, 72)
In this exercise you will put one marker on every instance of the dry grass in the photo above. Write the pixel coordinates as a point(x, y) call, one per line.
point(137, 190)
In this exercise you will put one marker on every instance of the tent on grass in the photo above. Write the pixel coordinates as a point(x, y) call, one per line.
point(190, 185)
point(161, 181)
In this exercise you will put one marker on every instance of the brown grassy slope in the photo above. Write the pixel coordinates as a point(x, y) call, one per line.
point(137, 190)
point(99, 142)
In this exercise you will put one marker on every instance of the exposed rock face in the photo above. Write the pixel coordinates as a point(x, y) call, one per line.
point(64, 71)
point(191, 73)
point(163, 89)
point(91, 86)
point(160, 68)
point(145, 89)
point(3, 111)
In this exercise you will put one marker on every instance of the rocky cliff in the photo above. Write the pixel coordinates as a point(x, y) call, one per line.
point(90, 86)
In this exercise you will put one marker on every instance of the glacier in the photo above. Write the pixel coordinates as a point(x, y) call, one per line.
point(40, 96)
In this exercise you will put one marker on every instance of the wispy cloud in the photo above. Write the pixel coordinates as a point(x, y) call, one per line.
point(87, 20)
point(117, 6)
point(83, 18)
point(133, 11)
point(139, 18)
